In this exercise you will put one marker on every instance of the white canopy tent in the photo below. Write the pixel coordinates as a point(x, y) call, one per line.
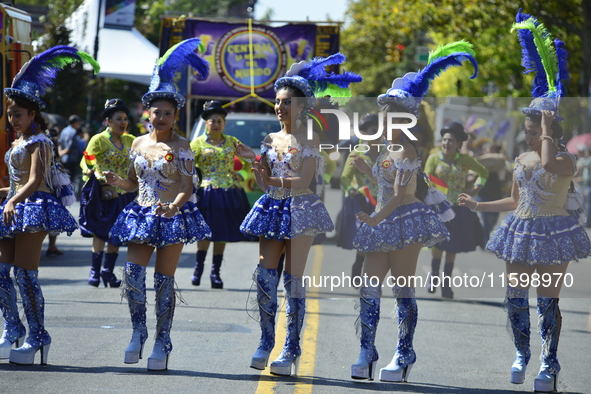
point(123, 53)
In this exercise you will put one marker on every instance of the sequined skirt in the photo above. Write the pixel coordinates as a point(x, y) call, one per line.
point(409, 224)
point(140, 225)
point(41, 211)
point(303, 215)
point(542, 240)
point(223, 211)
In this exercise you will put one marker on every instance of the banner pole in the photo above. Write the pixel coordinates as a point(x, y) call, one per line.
point(251, 56)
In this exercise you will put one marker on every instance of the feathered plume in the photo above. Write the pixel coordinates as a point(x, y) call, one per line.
point(180, 56)
point(450, 49)
point(540, 56)
point(328, 84)
point(42, 68)
point(418, 83)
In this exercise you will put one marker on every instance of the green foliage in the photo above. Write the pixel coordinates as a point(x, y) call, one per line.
point(484, 23)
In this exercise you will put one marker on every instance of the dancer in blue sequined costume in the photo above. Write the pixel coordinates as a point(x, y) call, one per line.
point(540, 236)
point(34, 204)
point(408, 215)
point(290, 214)
point(164, 215)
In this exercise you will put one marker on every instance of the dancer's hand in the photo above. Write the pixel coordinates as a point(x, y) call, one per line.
point(244, 151)
point(371, 221)
point(465, 200)
point(9, 214)
point(112, 178)
point(361, 165)
point(166, 210)
point(547, 118)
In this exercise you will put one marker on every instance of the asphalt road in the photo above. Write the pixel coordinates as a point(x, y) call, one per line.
point(462, 345)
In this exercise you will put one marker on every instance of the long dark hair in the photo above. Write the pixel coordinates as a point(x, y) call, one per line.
point(29, 106)
point(422, 184)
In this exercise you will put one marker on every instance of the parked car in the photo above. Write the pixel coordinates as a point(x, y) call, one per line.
point(251, 129)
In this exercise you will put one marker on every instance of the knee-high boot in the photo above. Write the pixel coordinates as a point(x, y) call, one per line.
point(107, 274)
point(199, 265)
point(404, 358)
point(134, 279)
point(517, 303)
point(95, 269)
point(295, 311)
point(34, 306)
point(369, 316)
point(216, 265)
point(435, 264)
point(266, 281)
point(165, 304)
point(14, 330)
point(549, 323)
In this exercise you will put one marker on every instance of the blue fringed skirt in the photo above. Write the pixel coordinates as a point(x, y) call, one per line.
point(542, 240)
point(138, 224)
point(288, 218)
point(223, 211)
point(409, 224)
point(466, 232)
point(41, 211)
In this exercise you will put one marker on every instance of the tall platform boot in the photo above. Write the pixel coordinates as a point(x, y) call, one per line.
point(517, 304)
point(107, 274)
point(369, 316)
point(404, 358)
point(165, 304)
point(199, 265)
point(295, 311)
point(549, 323)
point(94, 278)
point(134, 280)
point(14, 330)
point(34, 306)
point(266, 281)
point(216, 281)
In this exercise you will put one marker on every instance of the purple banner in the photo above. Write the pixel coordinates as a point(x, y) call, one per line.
point(274, 50)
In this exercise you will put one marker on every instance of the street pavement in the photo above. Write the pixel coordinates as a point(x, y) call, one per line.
point(462, 345)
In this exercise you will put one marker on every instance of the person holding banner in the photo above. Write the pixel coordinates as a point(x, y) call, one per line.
point(35, 203)
point(100, 203)
point(360, 192)
point(221, 200)
point(164, 215)
point(407, 216)
point(544, 233)
point(447, 171)
point(290, 214)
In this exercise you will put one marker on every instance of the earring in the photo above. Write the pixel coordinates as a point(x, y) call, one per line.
point(33, 127)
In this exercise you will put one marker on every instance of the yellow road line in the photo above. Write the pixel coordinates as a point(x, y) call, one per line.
point(309, 338)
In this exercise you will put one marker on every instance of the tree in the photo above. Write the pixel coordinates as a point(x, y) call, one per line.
point(485, 23)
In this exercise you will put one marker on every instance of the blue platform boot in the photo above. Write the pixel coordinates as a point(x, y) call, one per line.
point(165, 304)
point(295, 311)
point(517, 305)
point(266, 281)
point(199, 266)
point(34, 306)
point(369, 316)
point(107, 274)
point(134, 278)
point(14, 330)
point(95, 269)
point(404, 358)
point(549, 323)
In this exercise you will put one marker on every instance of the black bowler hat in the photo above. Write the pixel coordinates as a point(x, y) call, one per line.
point(456, 129)
point(114, 105)
point(211, 108)
point(368, 120)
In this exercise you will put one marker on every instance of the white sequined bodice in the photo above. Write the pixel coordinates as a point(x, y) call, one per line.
point(388, 170)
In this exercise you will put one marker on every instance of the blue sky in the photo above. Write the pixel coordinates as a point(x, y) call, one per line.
point(298, 10)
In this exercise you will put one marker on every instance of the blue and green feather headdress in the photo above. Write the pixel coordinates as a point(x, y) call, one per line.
point(408, 91)
point(37, 75)
point(176, 59)
point(312, 79)
point(545, 57)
